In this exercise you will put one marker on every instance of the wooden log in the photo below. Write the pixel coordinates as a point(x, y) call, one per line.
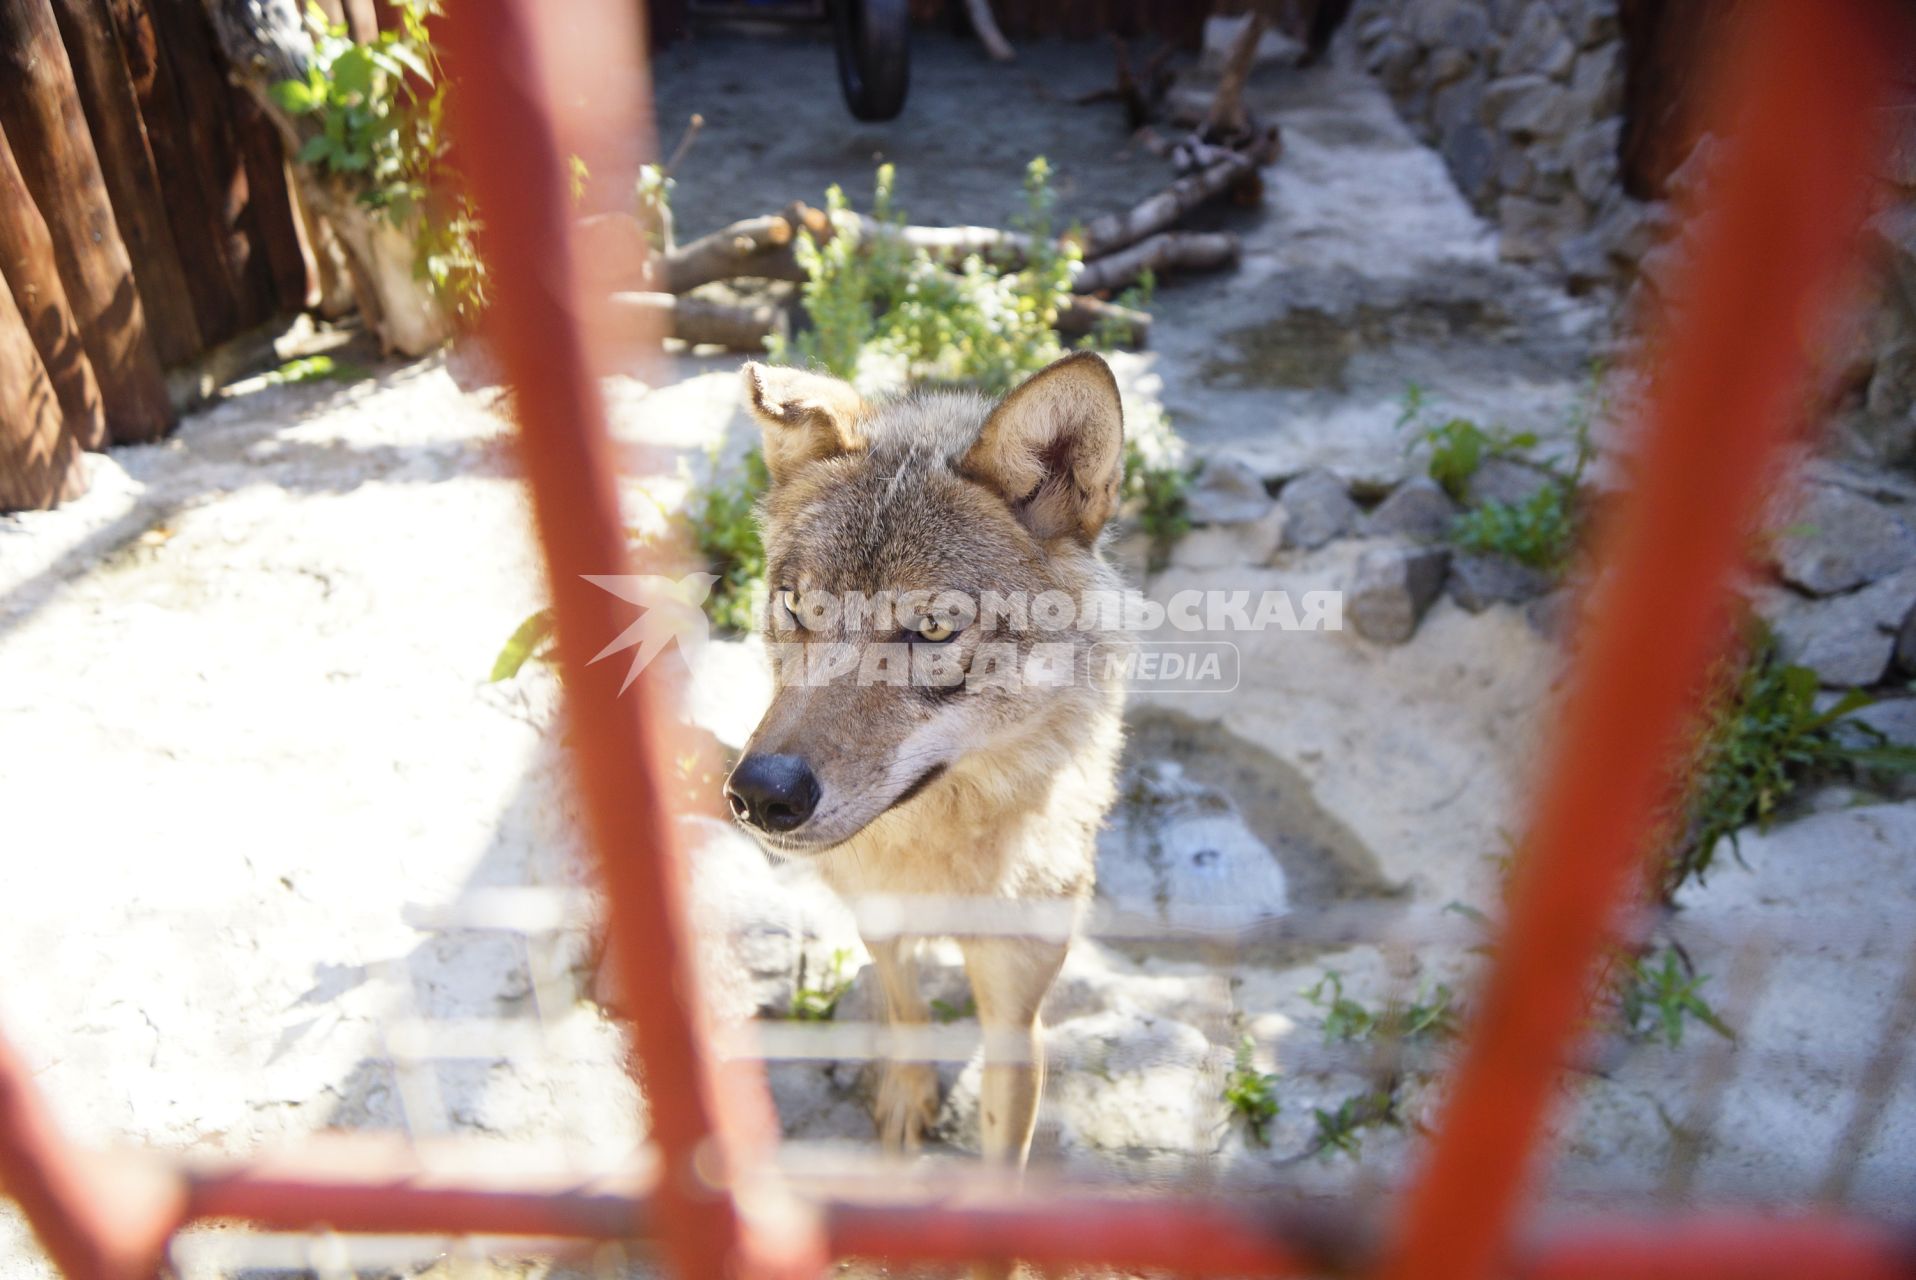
point(1084, 315)
point(41, 464)
point(28, 269)
point(275, 225)
point(200, 76)
point(40, 114)
point(1160, 254)
point(758, 247)
point(736, 326)
point(1227, 117)
point(193, 211)
point(985, 27)
point(132, 182)
point(1114, 231)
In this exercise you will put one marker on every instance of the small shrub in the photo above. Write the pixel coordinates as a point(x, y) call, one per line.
point(945, 1011)
point(1539, 532)
point(1762, 739)
point(724, 530)
point(1431, 1017)
point(530, 640)
point(818, 1002)
point(1343, 1129)
point(1157, 477)
point(1654, 1001)
point(315, 369)
point(1457, 446)
point(381, 107)
point(1251, 1094)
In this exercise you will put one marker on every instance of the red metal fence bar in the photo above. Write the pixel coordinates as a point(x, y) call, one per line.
point(1791, 195)
point(712, 1127)
point(1801, 102)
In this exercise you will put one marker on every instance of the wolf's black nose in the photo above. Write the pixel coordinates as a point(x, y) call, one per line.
point(773, 793)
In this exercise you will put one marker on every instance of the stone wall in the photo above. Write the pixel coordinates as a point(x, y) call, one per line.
point(1524, 99)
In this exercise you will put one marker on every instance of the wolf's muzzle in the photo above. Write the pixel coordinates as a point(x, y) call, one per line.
point(773, 793)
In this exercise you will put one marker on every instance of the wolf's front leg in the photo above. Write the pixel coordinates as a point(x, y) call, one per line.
point(1009, 978)
point(907, 1101)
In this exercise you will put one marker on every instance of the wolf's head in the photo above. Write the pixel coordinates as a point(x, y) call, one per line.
point(928, 561)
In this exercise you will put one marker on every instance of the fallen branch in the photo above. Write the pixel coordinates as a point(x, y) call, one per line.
point(760, 248)
point(1114, 231)
point(737, 326)
point(1159, 254)
point(985, 26)
point(1086, 315)
point(1227, 118)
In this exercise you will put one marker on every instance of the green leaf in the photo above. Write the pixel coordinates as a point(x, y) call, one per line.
point(317, 148)
point(406, 56)
point(293, 96)
point(353, 72)
point(520, 649)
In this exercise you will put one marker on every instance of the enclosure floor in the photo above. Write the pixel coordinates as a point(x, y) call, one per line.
point(247, 723)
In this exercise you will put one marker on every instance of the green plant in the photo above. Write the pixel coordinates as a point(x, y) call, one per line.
point(380, 108)
point(1539, 531)
point(724, 529)
point(1251, 1094)
point(817, 1003)
point(1157, 477)
point(1457, 446)
point(531, 639)
point(1762, 738)
point(1428, 1017)
point(984, 325)
point(947, 1011)
point(1343, 1129)
point(315, 369)
point(1654, 1001)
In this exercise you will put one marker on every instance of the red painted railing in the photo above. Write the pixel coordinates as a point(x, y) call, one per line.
point(1806, 84)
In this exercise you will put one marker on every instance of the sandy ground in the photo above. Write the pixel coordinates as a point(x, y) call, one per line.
point(250, 759)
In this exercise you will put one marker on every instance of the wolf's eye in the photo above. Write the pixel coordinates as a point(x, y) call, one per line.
point(933, 631)
point(788, 601)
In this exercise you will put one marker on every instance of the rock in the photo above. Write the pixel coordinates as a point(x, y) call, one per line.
point(1393, 60)
point(1551, 616)
point(1510, 481)
point(1894, 718)
point(1318, 508)
point(1470, 152)
point(1418, 509)
point(1530, 230)
point(1848, 640)
point(1227, 491)
point(1448, 64)
point(1538, 45)
point(1131, 1084)
point(1392, 588)
point(1596, 84)
point(1456, 104)
point(1453, 24)
point(1478, 580)
point(1588, 22)
point(1838, 539)
point(1892, 383)
point(1226, 546)
point(1179, 853)
point(1583, 260)
point(1627, 230)
point(1528, 106)
point(1592, 154)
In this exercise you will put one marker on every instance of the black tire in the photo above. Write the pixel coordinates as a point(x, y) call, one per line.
point(874, 55)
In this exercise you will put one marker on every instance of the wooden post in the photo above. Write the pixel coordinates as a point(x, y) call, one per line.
point(132, 183)
point(40, 114)
point(193, 207)
point(40, 462)
point(275, 226)
point(28, 271)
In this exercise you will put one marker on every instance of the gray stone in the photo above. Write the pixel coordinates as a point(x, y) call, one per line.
point(1538, 45)
point(1418, 509)
point(1391, 589)
point(1583, 260)
point(1319, 509)
point(1478, 581)
point(1530, 230)
point(1626, 231)
point(1530, 106)
point(1894, 718)
point(1454, 24)
point(1596, 84)
point(1448, 64)
point(1849, 639)
point(1178, 852)
point(1233, 545)
point(1551, 616)
point(1839, 539)
point(1588, 22)
point(1892, 383)
point(1393, 60)
point(1456, 104)
point(1227, 491)
point(1906, 644)
point(1661, 267)
point(1470, 151)
point(1592, 155)
point(1510, 481)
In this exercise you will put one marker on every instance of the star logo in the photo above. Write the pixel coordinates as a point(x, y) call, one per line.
point(672, 611)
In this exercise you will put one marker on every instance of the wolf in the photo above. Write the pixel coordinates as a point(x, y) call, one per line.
point(954, 785)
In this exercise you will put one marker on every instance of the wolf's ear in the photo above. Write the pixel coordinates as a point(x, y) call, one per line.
point(1054, 448)
point(805, 416)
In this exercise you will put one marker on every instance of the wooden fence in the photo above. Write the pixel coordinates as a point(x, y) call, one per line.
point(145, 216)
